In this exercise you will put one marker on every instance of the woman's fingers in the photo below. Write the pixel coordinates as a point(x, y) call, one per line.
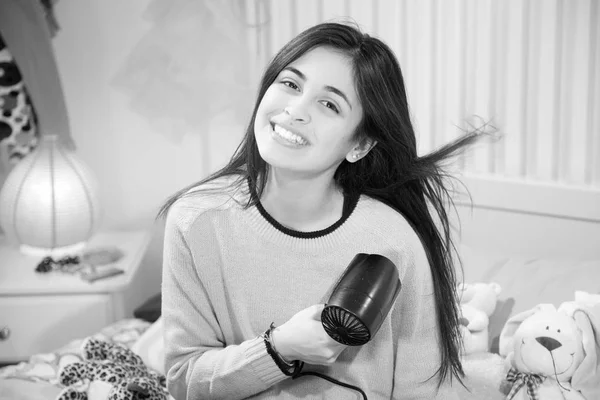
point(303, 338)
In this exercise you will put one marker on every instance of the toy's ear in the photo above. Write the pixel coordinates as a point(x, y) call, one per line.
point(585, 297)
point(497, 288)
point(586, 378)
point(511, 326)
point(465, 292)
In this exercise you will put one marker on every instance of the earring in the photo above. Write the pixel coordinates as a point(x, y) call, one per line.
point(355, 156)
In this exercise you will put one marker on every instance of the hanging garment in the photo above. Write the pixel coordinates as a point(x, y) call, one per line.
point(25, 30)
point(18, 128)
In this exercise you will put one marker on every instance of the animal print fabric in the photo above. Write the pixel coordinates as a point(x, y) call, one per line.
point(116, 365)
point(18, 129)
point(44, 367)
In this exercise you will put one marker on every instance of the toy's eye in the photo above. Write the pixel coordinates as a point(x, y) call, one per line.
point(558, 331)
point(547, 328)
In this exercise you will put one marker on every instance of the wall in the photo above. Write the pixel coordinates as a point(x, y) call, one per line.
point(137, 165)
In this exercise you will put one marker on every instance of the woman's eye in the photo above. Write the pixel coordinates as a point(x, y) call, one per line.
point(331, 106)
point(291, 85)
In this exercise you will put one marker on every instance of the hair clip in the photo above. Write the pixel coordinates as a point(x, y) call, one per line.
point(65, 264)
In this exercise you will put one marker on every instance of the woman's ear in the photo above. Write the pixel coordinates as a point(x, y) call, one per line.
point(360, 150)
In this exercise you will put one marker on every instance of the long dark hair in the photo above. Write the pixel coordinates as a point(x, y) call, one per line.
point(391, 172)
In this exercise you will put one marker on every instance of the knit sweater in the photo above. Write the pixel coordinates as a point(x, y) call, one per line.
point(229, 271)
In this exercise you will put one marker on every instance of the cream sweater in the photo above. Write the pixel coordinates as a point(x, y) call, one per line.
point(229, 272)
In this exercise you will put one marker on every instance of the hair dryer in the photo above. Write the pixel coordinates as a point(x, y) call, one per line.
point(361, 299)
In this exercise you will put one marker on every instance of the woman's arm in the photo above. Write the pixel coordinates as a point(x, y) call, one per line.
point(198, 364)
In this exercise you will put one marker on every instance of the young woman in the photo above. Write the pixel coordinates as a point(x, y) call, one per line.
point(328, 168)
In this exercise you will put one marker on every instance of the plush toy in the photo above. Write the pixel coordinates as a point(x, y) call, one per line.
point(477, 304)
point(553, 354)
point(587, 298)
point(116, 365)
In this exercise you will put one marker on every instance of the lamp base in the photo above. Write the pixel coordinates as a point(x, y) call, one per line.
point(57, 252)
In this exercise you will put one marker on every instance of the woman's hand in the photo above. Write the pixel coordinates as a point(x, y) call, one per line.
point(303, 338)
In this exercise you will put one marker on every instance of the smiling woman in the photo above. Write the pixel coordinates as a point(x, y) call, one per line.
point(328, 169)
point(307, 109)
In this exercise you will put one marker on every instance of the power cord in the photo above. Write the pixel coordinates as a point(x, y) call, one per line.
point(294, 369)
point(330, 379)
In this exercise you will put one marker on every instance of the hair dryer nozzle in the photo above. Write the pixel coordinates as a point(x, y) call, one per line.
point(361, 299)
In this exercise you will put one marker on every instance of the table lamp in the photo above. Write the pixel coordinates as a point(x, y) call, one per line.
point(49, 202)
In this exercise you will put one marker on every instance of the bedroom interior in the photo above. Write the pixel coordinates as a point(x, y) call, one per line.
point(134, 76)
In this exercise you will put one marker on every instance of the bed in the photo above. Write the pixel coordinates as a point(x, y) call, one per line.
point(539, 243)
point(37, 377)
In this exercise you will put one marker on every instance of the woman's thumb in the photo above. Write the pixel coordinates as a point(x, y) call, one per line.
point(315, 311)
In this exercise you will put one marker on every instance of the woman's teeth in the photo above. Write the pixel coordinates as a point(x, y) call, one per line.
point(289, 136)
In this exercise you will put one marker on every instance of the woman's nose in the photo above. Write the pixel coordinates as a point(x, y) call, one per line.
point(298, 113)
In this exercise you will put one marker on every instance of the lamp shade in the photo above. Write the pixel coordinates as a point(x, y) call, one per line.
point(49, 201)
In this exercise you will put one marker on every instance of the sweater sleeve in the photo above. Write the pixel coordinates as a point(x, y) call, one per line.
point(198, 363)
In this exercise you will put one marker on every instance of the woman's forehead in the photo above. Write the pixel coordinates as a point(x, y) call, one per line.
point(327, 67)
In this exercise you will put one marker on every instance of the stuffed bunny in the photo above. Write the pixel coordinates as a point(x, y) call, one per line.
point(553, 353)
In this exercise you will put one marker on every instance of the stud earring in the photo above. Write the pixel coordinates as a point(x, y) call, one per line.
point(355, 156)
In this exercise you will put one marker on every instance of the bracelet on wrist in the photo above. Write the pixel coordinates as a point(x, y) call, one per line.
point(288, 368)
point(272, 341)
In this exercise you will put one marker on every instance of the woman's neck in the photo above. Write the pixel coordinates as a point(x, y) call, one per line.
point(303, 204)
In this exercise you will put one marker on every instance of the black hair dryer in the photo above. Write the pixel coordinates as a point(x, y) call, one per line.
point(361, 299)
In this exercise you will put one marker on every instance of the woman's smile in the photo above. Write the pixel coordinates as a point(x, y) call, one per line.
point(287, 137)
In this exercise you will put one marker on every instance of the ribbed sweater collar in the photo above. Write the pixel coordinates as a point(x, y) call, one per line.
point(348, 208)
point(338, 234)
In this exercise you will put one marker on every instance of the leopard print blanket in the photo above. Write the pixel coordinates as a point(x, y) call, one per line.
point(114, 364)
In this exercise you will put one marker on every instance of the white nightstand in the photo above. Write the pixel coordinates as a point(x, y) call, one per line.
point(40, 312)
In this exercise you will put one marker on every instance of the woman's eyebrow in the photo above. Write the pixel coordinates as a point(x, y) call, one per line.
point(329, 88)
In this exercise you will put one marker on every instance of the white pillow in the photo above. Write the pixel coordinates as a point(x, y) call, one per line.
point(151, 348)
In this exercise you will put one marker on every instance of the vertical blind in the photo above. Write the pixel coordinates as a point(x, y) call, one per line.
point(529, 68)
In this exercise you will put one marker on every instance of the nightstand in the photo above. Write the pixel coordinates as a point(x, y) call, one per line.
point(40, 312)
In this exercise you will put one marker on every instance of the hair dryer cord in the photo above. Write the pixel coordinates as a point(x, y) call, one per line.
point(298, 373)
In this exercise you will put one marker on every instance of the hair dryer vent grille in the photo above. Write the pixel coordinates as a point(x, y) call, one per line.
point(344, 327)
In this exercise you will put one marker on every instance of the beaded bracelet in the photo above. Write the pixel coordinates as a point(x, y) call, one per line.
point(288, 368)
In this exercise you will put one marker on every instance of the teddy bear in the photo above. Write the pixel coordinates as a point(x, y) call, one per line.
point(113, 364)
point(477, 303)
point(552, 353)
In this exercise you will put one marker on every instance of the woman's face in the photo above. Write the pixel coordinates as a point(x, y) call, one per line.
point(307, 117)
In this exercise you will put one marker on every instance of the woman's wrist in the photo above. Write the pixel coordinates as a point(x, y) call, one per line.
point(288, 368)
point(283, 358)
